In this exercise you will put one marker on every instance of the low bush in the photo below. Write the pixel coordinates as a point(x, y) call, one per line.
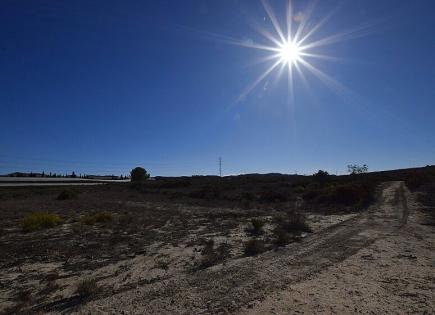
point(254, 247)
point(206, 192)
point(212, 256)
point(248, 196)
point(357, 193)
point(282, 237)
point(67, 194)
point(415, 181)
point(256, 227)
point(293, 222)
point(99, 217)
point(299, 189)
point(271, 196)
point(40, 220)
point(173, 184)
point(87, 289)
point(162, 263)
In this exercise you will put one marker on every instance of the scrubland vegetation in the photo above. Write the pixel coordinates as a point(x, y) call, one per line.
point(40, 220)
point(99, 217)
point(87, 289)
point(187, 224)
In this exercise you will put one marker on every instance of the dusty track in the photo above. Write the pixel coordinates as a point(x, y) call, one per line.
point(250, 285)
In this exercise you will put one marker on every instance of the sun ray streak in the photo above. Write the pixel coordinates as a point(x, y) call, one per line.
point(291, 95)
point(326, 79)
point(293, 50)
point(342, 36)
point(302, 75)
point(306, 16)
point(289, 20)
point(233, 41)
point(262, 60)
point(273, 19)
point(265, 33)
point(258, 80)
point(317, 26)
point(320, 56)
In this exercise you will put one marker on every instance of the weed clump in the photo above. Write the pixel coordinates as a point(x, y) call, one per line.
point(67, 194)
point(254, 247)
point(40, 220)
point(212, 256)
point(99, 217)
point(87, 289)
point(162, 263)
point(289, 228)
point(256, 227)
point(356, 193)
point(294, 222)
point(282, 237)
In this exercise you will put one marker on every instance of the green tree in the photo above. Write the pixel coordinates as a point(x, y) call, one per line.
point(321, 176)
point(357, 169)
point(139, 174)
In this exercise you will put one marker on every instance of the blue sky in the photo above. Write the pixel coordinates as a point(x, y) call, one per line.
point(103, 86)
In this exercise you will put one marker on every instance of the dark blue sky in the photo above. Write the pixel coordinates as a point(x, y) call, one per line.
point(102, 86)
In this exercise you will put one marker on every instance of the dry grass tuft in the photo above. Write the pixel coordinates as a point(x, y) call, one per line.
point(40, 220)
point(99, 217)
point(87, 289)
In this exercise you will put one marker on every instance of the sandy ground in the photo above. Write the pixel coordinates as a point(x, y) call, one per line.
point(379, 261)
point(393, 275)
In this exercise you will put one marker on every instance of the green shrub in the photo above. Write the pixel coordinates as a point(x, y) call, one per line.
point(415, 181)
point(139, 174)
point(294, 222)
point(248, 196)
point(162, 263)
point(299, 189)
point(206, 192)
point(321, 176)
point(40, 220)
point(173, 183)
point(256, 226)
point(212, 256)
point(282, 238)
point(356, 193)
point(99, 217)
point(87, 289)
point(254, 247)
point(67, 194)
point(270, 196)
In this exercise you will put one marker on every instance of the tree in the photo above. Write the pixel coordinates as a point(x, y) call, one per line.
point(357, 169)
point(139, 174)
point(321, 176)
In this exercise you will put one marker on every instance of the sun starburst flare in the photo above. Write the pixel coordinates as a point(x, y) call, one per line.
point(293, 47)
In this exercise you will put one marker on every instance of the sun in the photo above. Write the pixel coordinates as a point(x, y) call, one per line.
point(290, 53)
point(294, 45)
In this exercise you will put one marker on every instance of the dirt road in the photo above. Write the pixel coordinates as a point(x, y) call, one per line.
point(380, 261)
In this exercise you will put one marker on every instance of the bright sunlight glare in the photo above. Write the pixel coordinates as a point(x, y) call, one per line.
point(290, 53)
point(293, 46)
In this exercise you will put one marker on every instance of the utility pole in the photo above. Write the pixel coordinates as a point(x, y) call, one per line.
point(220, 166)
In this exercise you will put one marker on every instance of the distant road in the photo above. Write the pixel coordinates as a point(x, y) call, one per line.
point(48, 181)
